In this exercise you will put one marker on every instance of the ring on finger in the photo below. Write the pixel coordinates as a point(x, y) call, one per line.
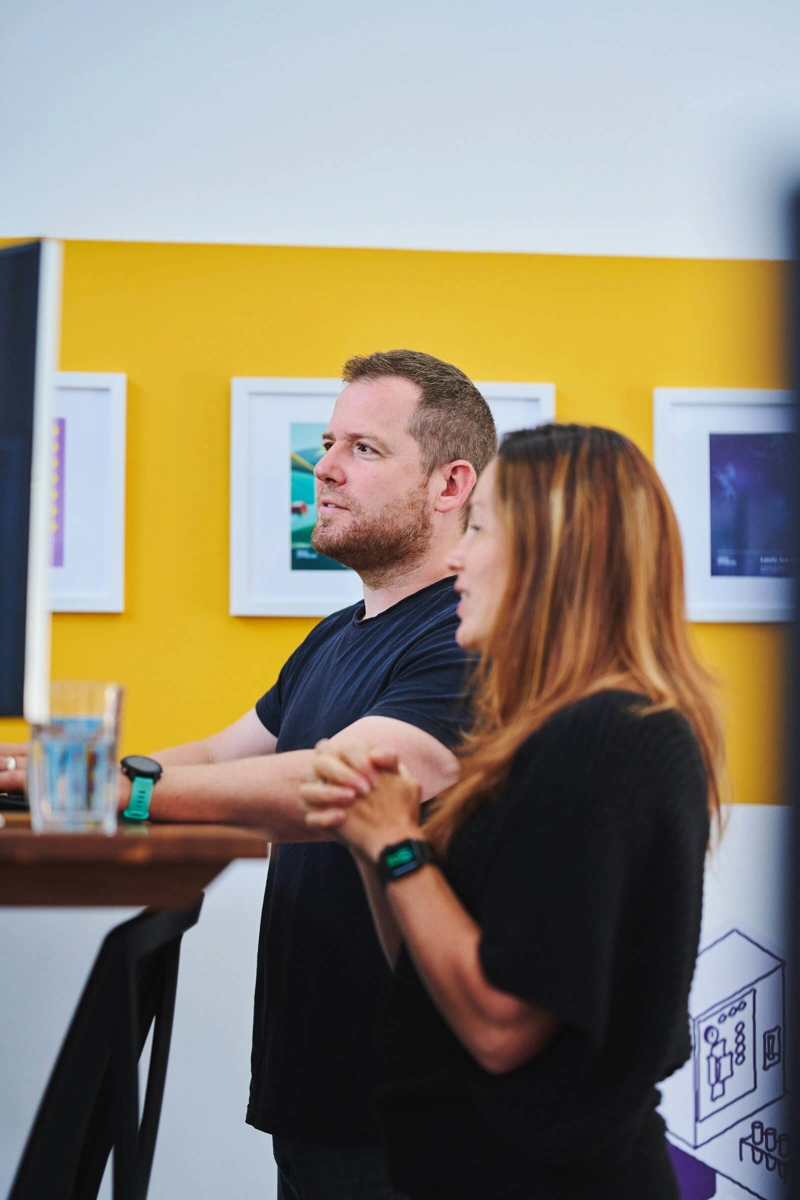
point(11, 763)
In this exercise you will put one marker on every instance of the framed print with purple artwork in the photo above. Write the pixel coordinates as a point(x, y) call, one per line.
point(276, 442)
point(87, 495)
point(726, 456)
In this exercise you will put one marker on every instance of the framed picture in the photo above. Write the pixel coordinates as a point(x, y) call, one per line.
point(87, 499)
point(276, 430)
point(726, 457)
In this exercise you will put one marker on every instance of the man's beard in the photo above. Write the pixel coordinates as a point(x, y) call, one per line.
point(394, 539)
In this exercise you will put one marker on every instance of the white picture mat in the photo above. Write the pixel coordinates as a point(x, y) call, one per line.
point(92, 578)
point(683, 419)
point(262, 582)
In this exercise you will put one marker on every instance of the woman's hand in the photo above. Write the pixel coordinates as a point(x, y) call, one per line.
point(366, 815)
point(13, 766)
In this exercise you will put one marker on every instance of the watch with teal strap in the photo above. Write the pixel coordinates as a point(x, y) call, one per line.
point(402, 858)
point(144, 774)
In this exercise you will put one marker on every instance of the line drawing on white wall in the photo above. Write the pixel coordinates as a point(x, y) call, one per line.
point(727, 1106)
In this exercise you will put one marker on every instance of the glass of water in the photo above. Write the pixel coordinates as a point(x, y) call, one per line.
point(73, 777)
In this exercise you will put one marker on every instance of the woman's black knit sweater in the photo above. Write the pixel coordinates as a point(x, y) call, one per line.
point(585, 877)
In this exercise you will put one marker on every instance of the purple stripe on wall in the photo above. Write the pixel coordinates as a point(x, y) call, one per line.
point(57, 468)
point(695, 1180)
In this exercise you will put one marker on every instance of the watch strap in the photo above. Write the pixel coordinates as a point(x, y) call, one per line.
point(403, 858)
point(139, 803)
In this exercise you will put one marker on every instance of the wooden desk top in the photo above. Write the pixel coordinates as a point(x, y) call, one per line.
point(163, 866)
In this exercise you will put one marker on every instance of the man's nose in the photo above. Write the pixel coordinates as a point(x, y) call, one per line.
point(329, 468)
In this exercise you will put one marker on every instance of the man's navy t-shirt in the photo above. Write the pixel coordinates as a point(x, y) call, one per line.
point(321, 974)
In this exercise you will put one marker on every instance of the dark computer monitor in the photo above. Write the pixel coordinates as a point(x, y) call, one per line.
point(30, 312)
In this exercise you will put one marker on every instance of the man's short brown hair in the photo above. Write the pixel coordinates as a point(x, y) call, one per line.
point(452, 420)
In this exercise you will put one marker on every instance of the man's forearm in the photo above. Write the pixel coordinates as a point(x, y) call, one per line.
point(190, 754)
point(260, 791)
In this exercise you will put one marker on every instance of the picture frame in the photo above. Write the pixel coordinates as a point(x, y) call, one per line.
point(87, 565)
point(273, 569)
point(724, 455)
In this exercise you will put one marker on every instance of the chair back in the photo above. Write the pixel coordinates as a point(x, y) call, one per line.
point(91, 1103)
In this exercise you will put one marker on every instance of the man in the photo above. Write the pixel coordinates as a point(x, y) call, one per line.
point(408, 436)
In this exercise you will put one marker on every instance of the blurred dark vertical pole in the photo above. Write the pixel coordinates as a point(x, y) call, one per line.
point(793, 715)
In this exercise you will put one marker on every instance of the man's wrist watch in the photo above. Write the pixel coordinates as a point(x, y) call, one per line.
point(402, 858)
point(144, 774)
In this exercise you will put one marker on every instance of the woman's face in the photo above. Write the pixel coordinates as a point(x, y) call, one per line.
point(481, 562)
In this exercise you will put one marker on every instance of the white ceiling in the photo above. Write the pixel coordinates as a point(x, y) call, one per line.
point(646, 127)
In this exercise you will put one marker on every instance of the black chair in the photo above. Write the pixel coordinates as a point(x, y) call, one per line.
point(91, 1102)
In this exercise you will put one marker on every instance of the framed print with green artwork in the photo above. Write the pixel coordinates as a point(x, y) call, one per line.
point(276, 442)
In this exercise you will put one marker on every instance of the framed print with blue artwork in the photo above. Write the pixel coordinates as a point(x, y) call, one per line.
point(726, 456)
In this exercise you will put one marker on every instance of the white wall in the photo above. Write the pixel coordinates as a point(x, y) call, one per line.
point(623, 127)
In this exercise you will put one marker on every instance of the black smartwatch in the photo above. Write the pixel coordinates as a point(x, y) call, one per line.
point(144, 774)
point(402, 858)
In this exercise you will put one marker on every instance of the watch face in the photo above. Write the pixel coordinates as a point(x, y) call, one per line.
point(399, 856)
point(146, 768)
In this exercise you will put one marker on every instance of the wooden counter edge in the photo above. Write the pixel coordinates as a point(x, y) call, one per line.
point(132, 844)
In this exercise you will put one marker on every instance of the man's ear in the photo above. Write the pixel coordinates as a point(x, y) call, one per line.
point(457, 479)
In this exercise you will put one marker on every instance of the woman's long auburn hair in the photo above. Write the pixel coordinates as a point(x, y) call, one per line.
point(594, 599)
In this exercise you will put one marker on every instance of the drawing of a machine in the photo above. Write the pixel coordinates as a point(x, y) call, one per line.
point(738, 1041)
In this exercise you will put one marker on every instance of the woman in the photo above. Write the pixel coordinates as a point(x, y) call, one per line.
point(544, 957)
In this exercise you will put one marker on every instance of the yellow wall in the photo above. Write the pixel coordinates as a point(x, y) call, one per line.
point(181, 320)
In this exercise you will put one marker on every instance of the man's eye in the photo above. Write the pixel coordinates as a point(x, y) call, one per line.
point(364, 446)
